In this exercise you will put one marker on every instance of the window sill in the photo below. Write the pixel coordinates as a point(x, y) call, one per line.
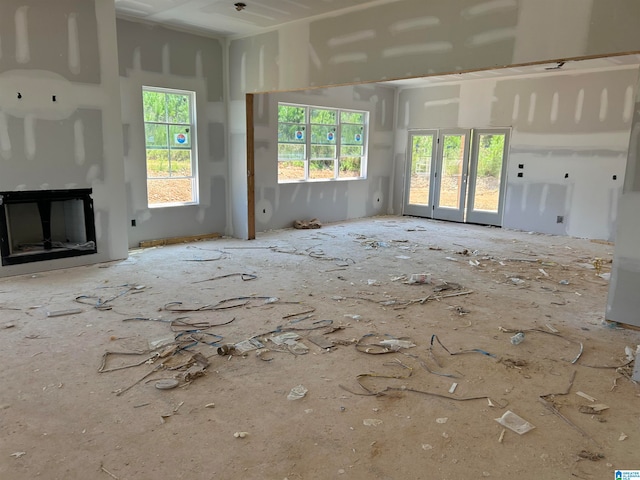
point(322, 180)
point(172, 205)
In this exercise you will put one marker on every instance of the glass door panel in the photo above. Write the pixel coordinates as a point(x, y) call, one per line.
point(486, 176)
point(419, 174)
point(451, 175)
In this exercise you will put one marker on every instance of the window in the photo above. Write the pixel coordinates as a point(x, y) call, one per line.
point(318, 143)
point(169, 126)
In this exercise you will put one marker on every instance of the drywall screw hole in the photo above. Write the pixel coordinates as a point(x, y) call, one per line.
point(19, 95)
point(264, 210)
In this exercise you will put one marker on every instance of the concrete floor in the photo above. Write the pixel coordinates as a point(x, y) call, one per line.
point(62, 419)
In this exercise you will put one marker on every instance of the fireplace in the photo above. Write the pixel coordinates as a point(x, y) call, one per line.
point(46, 224)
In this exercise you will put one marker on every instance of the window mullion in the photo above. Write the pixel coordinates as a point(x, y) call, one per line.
point(307, 126)
point(336, 167)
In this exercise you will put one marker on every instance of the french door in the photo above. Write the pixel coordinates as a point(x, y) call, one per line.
point(457, 175)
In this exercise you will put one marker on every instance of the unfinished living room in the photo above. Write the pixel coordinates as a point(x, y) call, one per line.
point(300, 240)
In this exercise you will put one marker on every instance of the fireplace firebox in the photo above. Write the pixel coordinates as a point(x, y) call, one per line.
point(45, 225)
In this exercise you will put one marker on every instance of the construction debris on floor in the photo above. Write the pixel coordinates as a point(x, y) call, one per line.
point(412, 346)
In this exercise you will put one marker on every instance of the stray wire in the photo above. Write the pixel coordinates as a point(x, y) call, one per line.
point(473, 350)
point(179, 324)
point(318, 255)
point(244, 276)
point(106, 355)
point(101, 304)
point(386, 390)
point(549, 405)
point(424, 365)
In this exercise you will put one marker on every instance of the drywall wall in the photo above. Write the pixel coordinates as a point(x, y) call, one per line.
point(159, 57)
point(417, 38)
point(569, 139)
point(65, 49)
point(623, 302)
point(421, 37)
point(278, 205)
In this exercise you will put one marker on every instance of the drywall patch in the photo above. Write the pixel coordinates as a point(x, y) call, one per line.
point(516, 107)
point(5, 140)
point(261, 68)
point(579, 106)
point(629, 103)
point(419, 23)
point(555, 101)
point(199, 65)
point(417, 49)
point(78, 136)
point(355, 57)
point(604, 104)
point(23, 51)
point(532, 107)
point(126, 138)
point(73, 44)
point(166, 59)
point(93, 174)
point(490, 7)
point(491, 37)
point(439, 106)
point(353, 37)
point(30, 136)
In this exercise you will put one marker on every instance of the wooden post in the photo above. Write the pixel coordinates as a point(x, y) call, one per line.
point(251, 194)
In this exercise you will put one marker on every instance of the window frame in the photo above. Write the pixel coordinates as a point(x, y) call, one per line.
point(308, 156)
point(192, 126)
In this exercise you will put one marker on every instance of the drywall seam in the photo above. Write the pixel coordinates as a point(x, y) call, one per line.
point(73, 44)
point(23, 54)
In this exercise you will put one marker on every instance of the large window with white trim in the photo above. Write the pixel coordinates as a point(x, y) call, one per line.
point(169, 126)
point(320, 143)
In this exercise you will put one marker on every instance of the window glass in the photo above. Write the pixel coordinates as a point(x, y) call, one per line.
point(170, 147)
point(318, 143)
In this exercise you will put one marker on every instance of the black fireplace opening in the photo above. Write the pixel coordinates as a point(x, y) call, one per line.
point(46, 224)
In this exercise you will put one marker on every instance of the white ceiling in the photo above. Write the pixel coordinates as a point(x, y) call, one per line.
point(220, 17)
